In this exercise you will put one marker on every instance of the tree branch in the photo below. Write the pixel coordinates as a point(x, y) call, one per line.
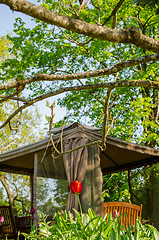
point(4, 148)
point(157, 114)
point(114, 12)
point(102, 72)
point(82, 146)
point(99, 11)
point(17, 123)
point(106, 117)
point(73, 40)
point(50, 127)
point(133, 83)
point(13, 98)
point(6, 186)
point(130, 187)
point(131, 35)
point(76, 14)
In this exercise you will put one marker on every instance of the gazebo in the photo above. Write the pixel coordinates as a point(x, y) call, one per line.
point(78, 157)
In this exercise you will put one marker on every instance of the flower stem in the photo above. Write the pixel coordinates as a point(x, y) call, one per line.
point(79, 204)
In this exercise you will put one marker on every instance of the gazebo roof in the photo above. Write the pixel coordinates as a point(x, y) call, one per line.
point(118, 156)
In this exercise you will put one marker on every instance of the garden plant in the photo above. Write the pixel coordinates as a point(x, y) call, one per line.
point(89, 226)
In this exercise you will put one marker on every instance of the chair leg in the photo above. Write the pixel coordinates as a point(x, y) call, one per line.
point(2, 233)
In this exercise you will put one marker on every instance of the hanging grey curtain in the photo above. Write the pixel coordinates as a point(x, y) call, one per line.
point(75, 166)
point(84, 165)
point(91, 196)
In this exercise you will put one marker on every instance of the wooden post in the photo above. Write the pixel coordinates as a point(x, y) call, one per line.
point(31, 189)
point(130, 187)
point(34, 184)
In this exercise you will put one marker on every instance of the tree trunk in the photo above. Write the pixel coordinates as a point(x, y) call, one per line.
point(155, 197)
point(6, 186)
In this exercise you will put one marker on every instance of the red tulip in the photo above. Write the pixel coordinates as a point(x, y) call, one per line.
point(76, 187)
point(32, 211)
point(116, 214)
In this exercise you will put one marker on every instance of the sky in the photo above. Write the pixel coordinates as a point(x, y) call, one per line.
point(7, 19)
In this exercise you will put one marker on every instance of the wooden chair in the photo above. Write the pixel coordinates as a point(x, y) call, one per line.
point(7, 228)
point(23, 224)
point(10, 227)
point(129, 211)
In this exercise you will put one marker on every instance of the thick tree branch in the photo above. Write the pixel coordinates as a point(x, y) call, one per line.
point(102, 72)
point(133, 83)
point(131, 35)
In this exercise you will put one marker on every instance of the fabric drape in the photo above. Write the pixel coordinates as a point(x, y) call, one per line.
point(75, 164)
point(91, 196)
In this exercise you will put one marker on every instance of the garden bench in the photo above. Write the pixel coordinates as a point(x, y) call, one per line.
point(129, 211)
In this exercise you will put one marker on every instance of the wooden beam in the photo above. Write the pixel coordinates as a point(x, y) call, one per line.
point(110, 158)
point(132, 165)
point(17, 170)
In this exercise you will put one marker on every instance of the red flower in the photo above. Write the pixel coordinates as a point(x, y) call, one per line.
point(76, 187)
point(32, 211)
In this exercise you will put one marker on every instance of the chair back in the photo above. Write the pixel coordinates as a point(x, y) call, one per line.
point(7, 227)
point(129, 211)
point(24, 224)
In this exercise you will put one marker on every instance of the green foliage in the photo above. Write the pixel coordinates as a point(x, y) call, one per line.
point(31, 121)
point(149, 3)
point(24, 129)
point(115, 187)
point(89, 226)
point(4, 46)
point(49, 50)
point(28, 122)
point(146, 191)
